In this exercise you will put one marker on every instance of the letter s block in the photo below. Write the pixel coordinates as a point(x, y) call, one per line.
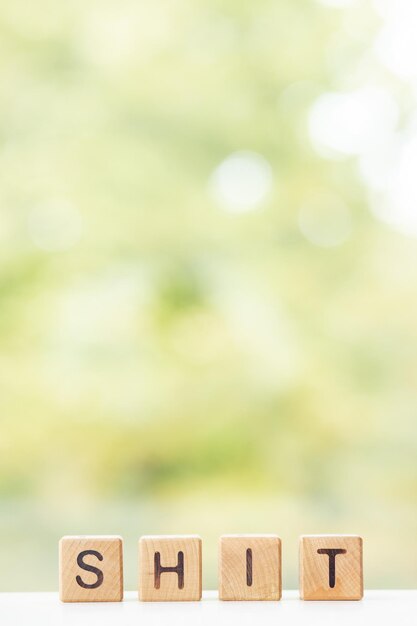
point(91, 569)
point(331, 567)
point(170, 568)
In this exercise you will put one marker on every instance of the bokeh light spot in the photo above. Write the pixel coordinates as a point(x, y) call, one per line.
point(241, 182)
point(398, 206)
point(349, 123)
point(396, 44)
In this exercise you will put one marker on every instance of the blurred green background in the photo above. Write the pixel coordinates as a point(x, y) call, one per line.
point(208, 221)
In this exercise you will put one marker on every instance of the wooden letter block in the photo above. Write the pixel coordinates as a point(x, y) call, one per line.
point(170, 568)
point(250, 567)
point(331, 567)
point(91, 569)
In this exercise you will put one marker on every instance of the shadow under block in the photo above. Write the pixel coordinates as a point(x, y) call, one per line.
point(170, 568)
point(250, 567)
point(91, 569)
point(331, 567)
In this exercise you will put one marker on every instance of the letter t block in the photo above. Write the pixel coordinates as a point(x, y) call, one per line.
point(170, 568)
point(331, 567)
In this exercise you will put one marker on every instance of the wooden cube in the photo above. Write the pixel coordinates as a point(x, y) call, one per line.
point(331, 567)
point(250, 567)
point(91, 569)
point(170, 568)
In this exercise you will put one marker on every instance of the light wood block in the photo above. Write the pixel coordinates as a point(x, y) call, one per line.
point(170, 568)
point(250, 567)
point(331, 567)
point(91, 569)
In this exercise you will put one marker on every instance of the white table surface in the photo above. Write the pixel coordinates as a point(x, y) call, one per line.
point(378, 608)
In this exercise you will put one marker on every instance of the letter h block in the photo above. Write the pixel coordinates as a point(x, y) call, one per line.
point(331, 567)
point(170, 568)
point(91, 569)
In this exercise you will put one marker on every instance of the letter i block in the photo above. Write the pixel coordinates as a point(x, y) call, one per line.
point(91, 569)
point(331, 567)
point(250, 567)
point(170, 568)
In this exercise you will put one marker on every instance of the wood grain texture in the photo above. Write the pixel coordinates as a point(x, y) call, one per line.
point(331, 567)
point(250, 567)
point(181, 555)
point(91, 569)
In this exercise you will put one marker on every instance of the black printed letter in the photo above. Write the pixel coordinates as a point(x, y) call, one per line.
point(249, 567)
point(332, 553)
point(178, 569)
point(90, 568)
